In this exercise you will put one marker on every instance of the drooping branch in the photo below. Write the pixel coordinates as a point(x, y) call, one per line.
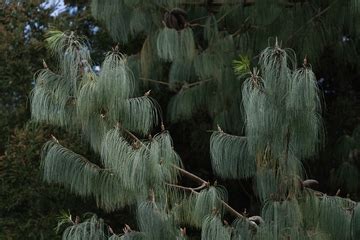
point(194, 190)
point(196, 179)
point(83, 159)
point(200, 180)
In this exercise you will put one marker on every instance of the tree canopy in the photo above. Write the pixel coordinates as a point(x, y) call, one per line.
point(283, 127)
point(220, 83)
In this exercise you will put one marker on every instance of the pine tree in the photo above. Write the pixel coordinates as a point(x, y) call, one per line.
point(283, 127)
point(275, 109)
point(200, 39)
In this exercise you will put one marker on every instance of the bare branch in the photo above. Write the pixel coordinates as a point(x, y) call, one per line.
point(154, 81)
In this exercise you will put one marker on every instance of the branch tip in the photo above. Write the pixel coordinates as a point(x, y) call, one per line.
point(44, 64)
point(127, 229)
point(152, 195)
point(338, 192)
point(116, 48)
point(77, 220)
point(183, 232)
point(54, 138)
point(305, 63)
point(147, 93)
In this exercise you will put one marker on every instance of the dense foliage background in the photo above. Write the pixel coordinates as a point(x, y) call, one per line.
point(29, 208)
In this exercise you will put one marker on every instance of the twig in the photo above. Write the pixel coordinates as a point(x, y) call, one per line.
point(181, 187)
point(199, 18)
point(197, 83)
point(233, 211)
point(194, 190)
point(225, 14)
point(155, 81)
point(118, 125)
point(310, 20)
point(241, 27)
point(202, 181)
point(196, 25)
point(228, 134)
point(190, 175)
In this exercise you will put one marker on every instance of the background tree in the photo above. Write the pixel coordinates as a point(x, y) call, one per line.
point(29, 208)
point(20, 38)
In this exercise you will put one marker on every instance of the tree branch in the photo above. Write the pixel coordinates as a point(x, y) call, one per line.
point(200, 180)
point(233, 211)
point(194, 190)
point(310, 20)
point(81, 158)
point(155, 81)
point(190, 175)
point(196, 179)
point(198, 82)
point(118, 125)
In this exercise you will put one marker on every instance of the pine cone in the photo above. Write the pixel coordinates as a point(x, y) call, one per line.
point(176, 18)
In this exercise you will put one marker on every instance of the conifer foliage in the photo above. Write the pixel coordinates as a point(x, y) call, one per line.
point(130, 171)
point(282, 128)
point(201, 39)
point(277, 104)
